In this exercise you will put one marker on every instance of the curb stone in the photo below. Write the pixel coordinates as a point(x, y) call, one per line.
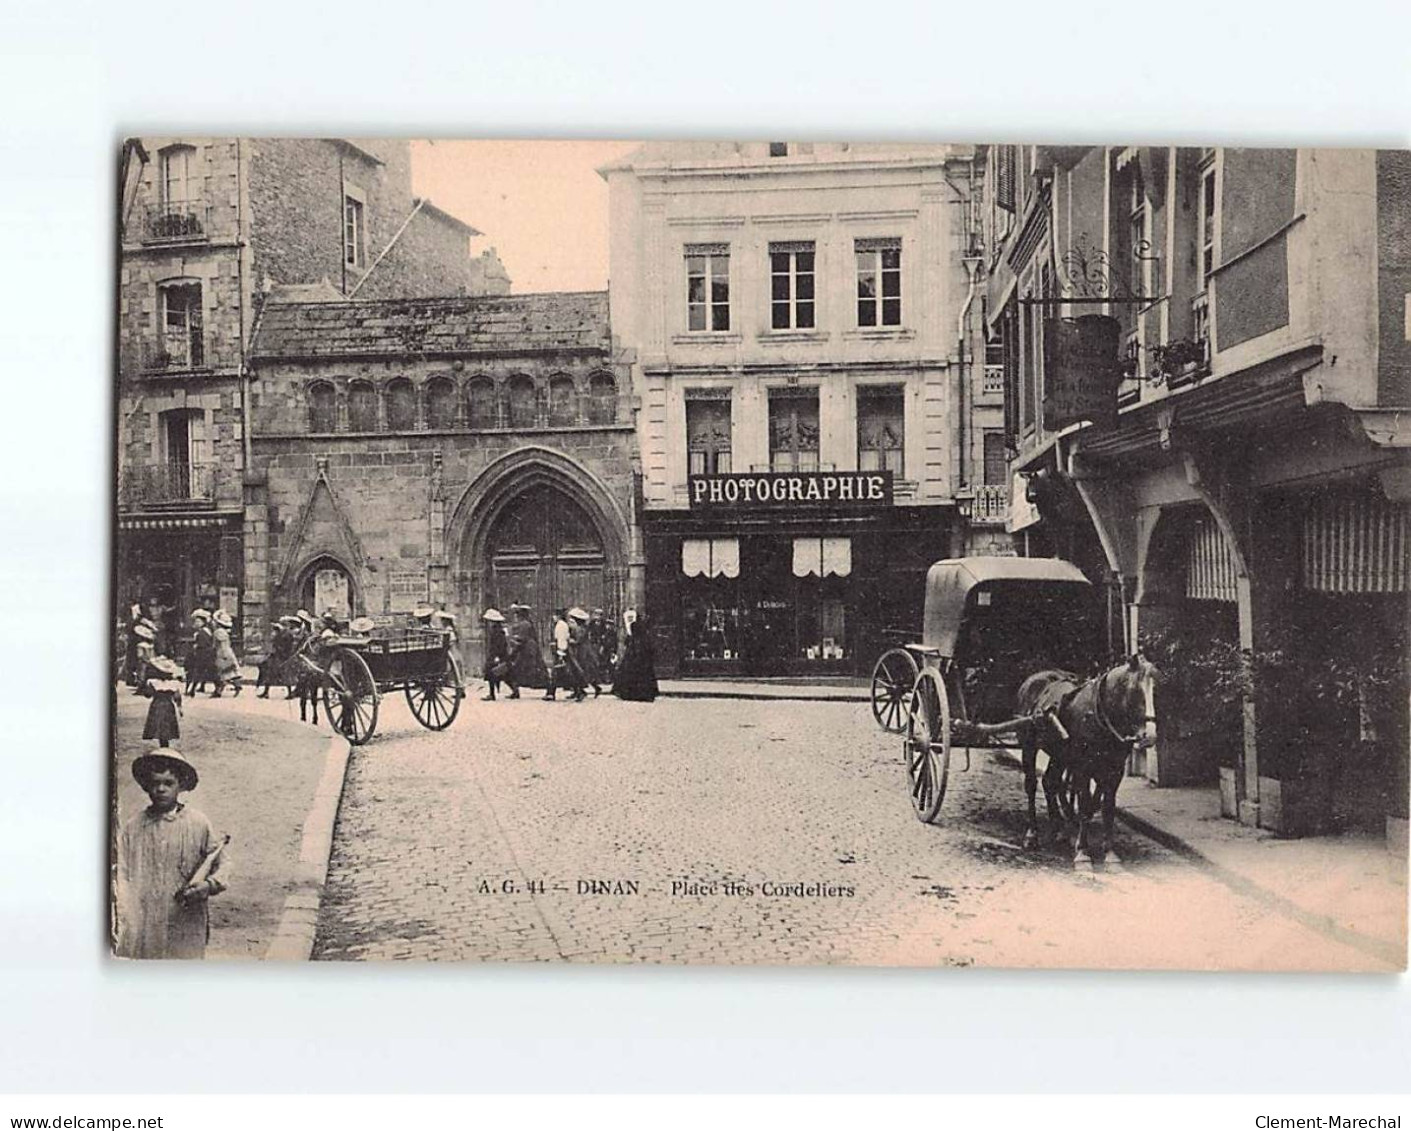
point(294, 938)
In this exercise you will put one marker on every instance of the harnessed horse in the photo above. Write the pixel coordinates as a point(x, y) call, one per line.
point(1088, 730)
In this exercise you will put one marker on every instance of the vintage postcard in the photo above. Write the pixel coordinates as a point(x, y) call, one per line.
point(762, 553)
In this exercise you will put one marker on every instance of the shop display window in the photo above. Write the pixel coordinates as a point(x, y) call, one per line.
point(714, 620)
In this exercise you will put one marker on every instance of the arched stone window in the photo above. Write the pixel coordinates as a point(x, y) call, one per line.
point(563, 402)
point(481, 394)
point(362, 407)
point(440, 403)
point(323, 408)
point(401, 405)
point(523, 402)
point(602, 399)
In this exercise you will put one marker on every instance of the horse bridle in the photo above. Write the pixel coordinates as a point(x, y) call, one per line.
point(1124, 739)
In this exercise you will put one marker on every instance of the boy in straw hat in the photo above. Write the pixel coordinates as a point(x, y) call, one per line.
point(168, 866)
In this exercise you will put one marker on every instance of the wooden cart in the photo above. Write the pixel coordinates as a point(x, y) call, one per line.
point(359, 670)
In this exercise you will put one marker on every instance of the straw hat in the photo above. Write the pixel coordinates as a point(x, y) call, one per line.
point(200, 614)
point(495, 614)
point(578, 614)
point(421, 612)
point(305, 616)
point(444, 615)
point(167, 666)
point(222, 618)
point(142, 632)
point(362, 624)
point(165, 758)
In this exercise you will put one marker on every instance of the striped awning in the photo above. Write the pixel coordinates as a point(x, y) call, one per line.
point(1210, 566)
point(1356, 542)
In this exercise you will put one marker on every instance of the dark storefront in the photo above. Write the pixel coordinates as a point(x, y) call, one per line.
point(772, 580)
point(176, 563)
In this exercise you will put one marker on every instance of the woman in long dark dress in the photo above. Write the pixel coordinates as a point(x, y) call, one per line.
point(636, 674)
point(497, 665)
point(526, 657)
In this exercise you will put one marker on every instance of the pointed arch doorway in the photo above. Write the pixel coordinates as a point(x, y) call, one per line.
point(545, 550)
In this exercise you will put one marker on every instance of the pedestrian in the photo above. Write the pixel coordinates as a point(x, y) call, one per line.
point(636, 673)
point(142, 652)
point(421, 616)
point(132, 671)
point(163, 684)
point(201, 665)
point(168, 865)
point(227, 665)
point(445, 621)
point(603, 635)
point(497, 651)
point(272, 667)
point(525, 655)
point(583, 654)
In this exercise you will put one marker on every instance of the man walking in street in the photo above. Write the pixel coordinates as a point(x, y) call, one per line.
point(565, 671)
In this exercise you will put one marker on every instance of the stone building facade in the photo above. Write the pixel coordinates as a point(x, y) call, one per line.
point(809, 357)
point(210, 227)
point(466, 452)
point(1249, 491)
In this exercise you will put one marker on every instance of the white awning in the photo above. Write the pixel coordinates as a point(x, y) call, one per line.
point(820, 557)
point(710, 557)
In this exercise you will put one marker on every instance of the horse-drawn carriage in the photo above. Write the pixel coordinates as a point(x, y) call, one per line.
point(356, 670)
point(989, 622)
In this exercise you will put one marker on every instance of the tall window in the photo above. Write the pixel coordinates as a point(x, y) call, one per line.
point(791, 283)
point(996, 469)
point(323, 408)
point(563, 402)
point(602, 399)
point(778, 149)
point(793, 430)
point(1207, 222)
point(707, 286)
point(362, 407)
point(183, 343)
point(878, 282)
point(176, 174)
point(401, 405)
point(481, 392)
point(354, 233)
point(881, 429)
point(440, 403)
point(708, 436)
point(523, 403)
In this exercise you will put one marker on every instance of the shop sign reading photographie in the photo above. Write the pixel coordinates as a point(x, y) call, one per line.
point(792, 489)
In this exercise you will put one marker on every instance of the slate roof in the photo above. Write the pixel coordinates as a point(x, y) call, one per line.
point(440, 327)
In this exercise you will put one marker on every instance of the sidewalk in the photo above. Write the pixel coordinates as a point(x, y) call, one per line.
point(1349, 887)
point(844, 689)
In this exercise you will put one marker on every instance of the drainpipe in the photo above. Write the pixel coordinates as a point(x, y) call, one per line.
point(972, 265)
point(393, 243)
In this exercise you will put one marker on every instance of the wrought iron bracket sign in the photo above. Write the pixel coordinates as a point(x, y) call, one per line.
point(1081, 370)
point(788, 489)
point(1087, 278)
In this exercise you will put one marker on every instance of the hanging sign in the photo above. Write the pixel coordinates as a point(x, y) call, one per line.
point(813, 489)
point(1081, 370)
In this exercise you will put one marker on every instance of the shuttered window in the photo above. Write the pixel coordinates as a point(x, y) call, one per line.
point(1356, 542)
point(1210, 566)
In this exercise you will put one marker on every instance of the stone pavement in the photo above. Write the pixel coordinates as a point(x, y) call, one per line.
point(745, 832)
point(836, 690)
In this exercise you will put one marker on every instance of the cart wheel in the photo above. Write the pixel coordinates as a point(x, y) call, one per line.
point(892, 681)
point(350, 696)
point(928, 745)
point(436, 699)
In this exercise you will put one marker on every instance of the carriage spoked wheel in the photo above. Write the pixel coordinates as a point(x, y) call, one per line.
point(350, 696)
point(928, 744)
point(436, 699)
point(892, 681)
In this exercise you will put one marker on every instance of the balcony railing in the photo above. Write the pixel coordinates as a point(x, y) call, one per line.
point(175, 221)
point(1129, 389)
point(169, 484)
point(992, 381)
point(990, 507)
point(174, 354)
point(1200, 334)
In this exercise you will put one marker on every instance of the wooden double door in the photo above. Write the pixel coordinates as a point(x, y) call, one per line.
point(545, 551)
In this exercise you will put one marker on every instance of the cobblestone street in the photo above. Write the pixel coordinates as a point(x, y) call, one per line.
point(680, 831)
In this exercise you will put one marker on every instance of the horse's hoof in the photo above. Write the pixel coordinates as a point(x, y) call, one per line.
point(1031, 840)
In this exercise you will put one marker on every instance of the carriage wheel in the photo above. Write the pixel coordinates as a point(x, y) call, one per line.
point(892, 681)
point(928, 745)
point(436, 699)
point(350, 696)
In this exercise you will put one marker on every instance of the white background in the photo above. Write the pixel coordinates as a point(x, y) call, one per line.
point(76, 77)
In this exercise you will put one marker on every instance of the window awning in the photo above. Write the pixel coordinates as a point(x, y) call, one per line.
point(710, 557)
point(821, 557)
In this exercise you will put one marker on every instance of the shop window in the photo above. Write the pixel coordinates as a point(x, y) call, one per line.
point(563, 408)
point(714, 617)
point(708, 436)
point(401, 405)
point(481, 393)
point(878, 282)
point(441, 403)
point(793, 430)
point(707, 287)
point(523, 403)
point(362, 407)
point(820, 607)
point(881, 428)
point(602, 399)
point(791, 285)
point(323, 408)
point(710, 557)
point(182, 339)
